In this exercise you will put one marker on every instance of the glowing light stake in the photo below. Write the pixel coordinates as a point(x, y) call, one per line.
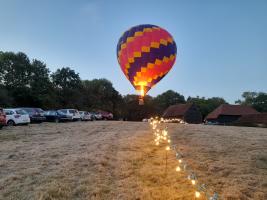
point(193, 178)
point(168, 148)
point(164, 133)
point(197, 194)
point(180, 160)
point(178, 169)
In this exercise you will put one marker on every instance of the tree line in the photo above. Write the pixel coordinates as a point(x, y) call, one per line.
point(25, 82)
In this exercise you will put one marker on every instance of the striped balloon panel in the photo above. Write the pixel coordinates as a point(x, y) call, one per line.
point(146, 53)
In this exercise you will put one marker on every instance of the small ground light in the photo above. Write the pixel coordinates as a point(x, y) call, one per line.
point(180, 160)
point(193, 182)
point(157, 143)
point(169, 141)
point(165, 133)
point(197, 194)
point(167, 148)
point(178, 169)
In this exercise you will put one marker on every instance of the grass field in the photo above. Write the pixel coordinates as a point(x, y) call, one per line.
point(119, 160)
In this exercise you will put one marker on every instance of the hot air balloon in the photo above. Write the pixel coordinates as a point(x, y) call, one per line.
point(146, 53)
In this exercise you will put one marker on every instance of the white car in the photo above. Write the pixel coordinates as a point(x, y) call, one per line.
point(85, 116)
point(15, 116)
point(73, 112)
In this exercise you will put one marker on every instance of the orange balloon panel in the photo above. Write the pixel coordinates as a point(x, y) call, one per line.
point(146, 53)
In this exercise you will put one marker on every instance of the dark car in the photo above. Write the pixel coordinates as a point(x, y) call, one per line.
point(36, 114)
point(2, 118)
point(57, 116)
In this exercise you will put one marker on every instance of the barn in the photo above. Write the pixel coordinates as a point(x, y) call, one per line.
point(253, 120)
point(189, 113)
point(227, 113)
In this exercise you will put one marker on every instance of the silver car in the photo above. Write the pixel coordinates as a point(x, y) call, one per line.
point(73, 112)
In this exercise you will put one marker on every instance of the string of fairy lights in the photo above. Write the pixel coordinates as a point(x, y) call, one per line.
point(162, 138)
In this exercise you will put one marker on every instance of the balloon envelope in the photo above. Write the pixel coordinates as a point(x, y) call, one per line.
point(146, 53)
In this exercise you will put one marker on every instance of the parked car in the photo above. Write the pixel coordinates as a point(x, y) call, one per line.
point(106, 115)
point(57, 116)
point(211, 123)
point(97, 115)
point(85, 116)
point(73, 112)
point(93, 117)
point(36, 114)
point(2, 118)
point(15, 116)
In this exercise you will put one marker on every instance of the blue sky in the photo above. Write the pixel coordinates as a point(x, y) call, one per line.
point(222, 45)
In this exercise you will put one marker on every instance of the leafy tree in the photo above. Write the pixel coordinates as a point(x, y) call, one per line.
point(5, 99)
point(167, 99)
point(135, 112)
point(206, 105)
point(99, 94)
point(16, 70)
point(66, 78)
point(42, 89)
point(257, 100)
point(68, 86)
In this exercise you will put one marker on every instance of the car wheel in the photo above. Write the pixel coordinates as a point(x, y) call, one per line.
point(11, 123)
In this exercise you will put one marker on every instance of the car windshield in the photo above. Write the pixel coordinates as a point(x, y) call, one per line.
point(8, 112)
point(39, 110)
point(21, 112)
point(28, 110)
point(81, 112)
point(51, 112)
point(72, 111)
point(63, 111)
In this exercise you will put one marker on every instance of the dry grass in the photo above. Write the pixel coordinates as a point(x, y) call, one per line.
point(118, 160)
